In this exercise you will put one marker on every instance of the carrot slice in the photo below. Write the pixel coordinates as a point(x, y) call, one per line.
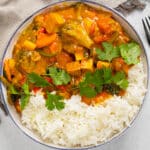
point(45, 39)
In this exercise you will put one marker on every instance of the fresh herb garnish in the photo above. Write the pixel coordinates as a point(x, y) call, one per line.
point(93, 83)
point(37, 80)
point(107, 75)
point(87, 90)
point(54, 102)
point(108, 53)
point(59, 76)
point(130, 53)
point(24, 101)
point(13, 90)
point(24, 96)
point(25, 88)
point(120, 79)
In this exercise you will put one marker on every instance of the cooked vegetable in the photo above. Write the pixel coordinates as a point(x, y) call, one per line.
point(45, 39)
point(52, 21)
point(54, 102)
point(59, 76)
point(87, 64)
point(32, 61)
point(63, 58)
point(45, 54)
point(73, 66)
point(58, 18)
point(80, 55)
point(76, 30)
point(29, 45)
point(102, 64)
point(8, 68)
point(119, 64)
point(90, 26)
point(130, 52)
point(111, 88)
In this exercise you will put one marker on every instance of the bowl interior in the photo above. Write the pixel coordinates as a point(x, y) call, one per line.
point(8, 52)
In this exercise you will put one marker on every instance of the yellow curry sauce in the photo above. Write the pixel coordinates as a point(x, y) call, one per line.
point(72, 42)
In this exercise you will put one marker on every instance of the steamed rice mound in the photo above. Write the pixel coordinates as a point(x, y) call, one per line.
point(81, 124)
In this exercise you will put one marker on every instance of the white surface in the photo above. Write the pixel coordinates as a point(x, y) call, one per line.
point(11, 138)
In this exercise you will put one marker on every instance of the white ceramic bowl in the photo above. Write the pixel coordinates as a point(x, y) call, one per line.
point(8, 52)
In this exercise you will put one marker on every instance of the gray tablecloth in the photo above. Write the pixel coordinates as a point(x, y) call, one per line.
point(12, 13)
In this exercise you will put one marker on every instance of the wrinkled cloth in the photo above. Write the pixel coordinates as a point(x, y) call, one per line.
point(130, 5)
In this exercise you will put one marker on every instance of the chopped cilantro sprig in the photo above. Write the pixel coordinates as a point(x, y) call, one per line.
point(37, 80)
point(130, 52)
point(93, 83)
point(59, 76)
point(25, 95)
point(54, 101)
point(108, 53)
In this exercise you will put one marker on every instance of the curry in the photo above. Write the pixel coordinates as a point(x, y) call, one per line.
point(68, 51)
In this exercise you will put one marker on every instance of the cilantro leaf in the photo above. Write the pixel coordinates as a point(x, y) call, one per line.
point(98, 80)
point(59, 76)
point(130, 53)
point(24, 101)
point(92, 84)
point(60, 105)
point(120, 79)
point(49, 102)
point(54, 102)
point(107, 75)
point(108, 53)
point(25, 88)
point(37, 80)
point(86, 90)
point(25, 96)
point(123, 84)
point(13, 90)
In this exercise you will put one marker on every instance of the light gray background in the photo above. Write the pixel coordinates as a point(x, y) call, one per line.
point(12, 13)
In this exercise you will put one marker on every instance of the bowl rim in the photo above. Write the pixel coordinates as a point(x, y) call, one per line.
point(116, 136)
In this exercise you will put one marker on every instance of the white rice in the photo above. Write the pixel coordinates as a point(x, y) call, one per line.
point(80, 124)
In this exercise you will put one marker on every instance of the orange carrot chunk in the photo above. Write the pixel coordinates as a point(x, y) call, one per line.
point(45, 39)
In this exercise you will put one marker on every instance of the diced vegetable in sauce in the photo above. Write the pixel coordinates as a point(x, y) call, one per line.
point(74, 50)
